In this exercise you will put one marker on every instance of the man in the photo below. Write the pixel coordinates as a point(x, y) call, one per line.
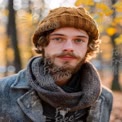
point(61, 85)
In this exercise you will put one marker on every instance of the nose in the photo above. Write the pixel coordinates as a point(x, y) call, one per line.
point(68, 46)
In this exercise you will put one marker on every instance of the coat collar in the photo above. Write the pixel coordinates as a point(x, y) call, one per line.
point(29, 103)
point(21, 81)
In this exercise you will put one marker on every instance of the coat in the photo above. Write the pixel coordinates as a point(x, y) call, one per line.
point(19, 103)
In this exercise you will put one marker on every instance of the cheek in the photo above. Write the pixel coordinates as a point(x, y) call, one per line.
point(51, 49)
point(82, 51)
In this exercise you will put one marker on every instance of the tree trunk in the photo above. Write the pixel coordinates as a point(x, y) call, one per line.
point(116, 57)
point(12, 33)
point(116, 64)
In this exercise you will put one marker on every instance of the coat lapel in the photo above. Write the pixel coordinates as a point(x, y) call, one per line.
point(29, 103)
point(95, 112)
point(31, 106)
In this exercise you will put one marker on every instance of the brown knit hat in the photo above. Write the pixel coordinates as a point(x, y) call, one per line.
point(67, 17)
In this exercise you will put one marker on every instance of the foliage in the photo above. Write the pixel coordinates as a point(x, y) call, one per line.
point(118, 40)
point(118, 6)
point(102, 9)
point(27, 17)
point(85, 2)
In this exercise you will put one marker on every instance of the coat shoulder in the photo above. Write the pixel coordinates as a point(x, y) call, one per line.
point(5, 84)
point(7, 81)
point(107, 95)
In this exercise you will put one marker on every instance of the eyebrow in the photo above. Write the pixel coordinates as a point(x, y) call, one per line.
point(58, 34)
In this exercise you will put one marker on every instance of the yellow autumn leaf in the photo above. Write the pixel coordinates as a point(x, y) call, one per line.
point(108, 12)
point(111, 30)
point(99, 17)
point(104, 8)
point(118, 40)
point(101, 6)
point(78, 2)
point(100, 14)
point(118, 19)
point(25, 18)
point(118, 6)
point(85, 2)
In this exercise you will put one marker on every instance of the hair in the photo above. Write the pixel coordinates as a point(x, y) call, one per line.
point(93, 45)
point(93, 48)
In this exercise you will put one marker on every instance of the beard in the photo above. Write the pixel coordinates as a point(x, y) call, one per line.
point(61, 73)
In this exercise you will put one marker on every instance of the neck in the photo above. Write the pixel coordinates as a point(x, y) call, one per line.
point(61, 78)
point(61, 83)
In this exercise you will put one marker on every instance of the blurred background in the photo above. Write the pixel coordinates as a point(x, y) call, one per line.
point(19, 18)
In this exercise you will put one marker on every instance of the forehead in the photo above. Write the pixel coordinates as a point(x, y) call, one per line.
point(69, 31)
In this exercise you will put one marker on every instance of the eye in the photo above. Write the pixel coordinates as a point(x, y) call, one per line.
point(78, 40)
point(57, 39)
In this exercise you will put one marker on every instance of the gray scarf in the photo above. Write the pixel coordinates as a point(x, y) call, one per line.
point(44, 85)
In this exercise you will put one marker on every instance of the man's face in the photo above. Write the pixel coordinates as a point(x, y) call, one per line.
point(67, 47)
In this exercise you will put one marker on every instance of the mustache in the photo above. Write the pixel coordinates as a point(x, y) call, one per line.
point(71, 54)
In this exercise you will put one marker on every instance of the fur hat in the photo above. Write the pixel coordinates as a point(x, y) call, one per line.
point(67, 17)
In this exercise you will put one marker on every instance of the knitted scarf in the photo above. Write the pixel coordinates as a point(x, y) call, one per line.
point(44, 85)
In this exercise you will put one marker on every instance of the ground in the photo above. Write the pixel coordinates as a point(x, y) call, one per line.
point(116, 115)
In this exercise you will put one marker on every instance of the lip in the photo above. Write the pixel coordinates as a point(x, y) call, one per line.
point(67, 58)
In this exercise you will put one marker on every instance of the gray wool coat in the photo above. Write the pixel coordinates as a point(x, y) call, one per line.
point(19, 103)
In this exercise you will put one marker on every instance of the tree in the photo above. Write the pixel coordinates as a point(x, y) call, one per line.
point(12, 34)
point(22, 21)
point(116, 57)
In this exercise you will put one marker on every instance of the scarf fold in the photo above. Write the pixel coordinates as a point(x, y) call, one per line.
point(44, 85)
